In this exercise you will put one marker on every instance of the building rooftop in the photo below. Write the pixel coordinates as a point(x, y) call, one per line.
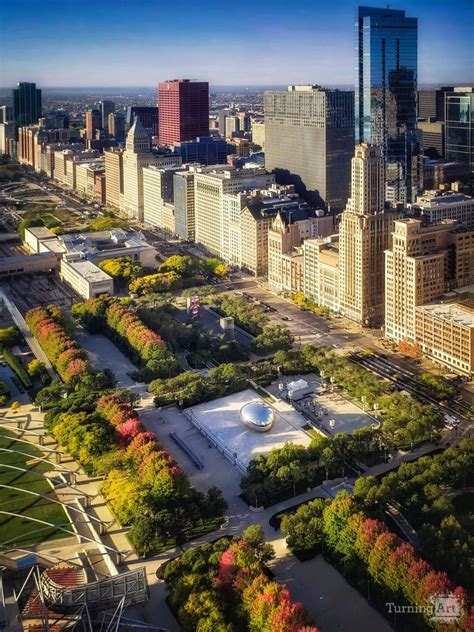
point(431, 199)
point(41, 232)
point(89, 271)
point(455, 312)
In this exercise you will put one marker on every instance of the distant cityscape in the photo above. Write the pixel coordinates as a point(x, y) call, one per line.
point(243, 318)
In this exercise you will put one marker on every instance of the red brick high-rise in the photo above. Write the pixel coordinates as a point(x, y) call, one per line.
point(183, 110)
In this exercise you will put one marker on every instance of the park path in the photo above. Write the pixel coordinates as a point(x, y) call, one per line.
point(28, 336)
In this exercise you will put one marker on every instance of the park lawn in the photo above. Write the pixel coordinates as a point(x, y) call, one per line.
point(17, 530)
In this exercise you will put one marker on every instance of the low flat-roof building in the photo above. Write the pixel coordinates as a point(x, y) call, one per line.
point(35, 235)
point(445, 333)
point(435, 206)
point(27, 264)
point(86, 278)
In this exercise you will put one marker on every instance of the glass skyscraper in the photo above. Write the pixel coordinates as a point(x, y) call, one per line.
point(460, 126)
point(26, 104)
point(385, 94)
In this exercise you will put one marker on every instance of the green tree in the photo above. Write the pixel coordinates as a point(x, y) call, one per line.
point(303, 529)
point(274, 338)
point(184, 265)
point(255, 536)
point(9, 336)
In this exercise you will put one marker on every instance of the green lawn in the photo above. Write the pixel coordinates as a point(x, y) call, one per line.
point(21, 531)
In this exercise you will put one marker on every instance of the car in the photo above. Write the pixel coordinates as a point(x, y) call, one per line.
point(285, 318)
point(335, 345)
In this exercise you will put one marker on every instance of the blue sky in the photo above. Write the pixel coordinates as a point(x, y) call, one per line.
point(141, 42)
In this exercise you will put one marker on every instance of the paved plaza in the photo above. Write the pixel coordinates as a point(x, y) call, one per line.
point(105, 355)
point(332, 405)
point(221, 418)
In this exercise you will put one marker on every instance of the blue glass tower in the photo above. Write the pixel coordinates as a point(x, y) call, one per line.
point(386, 92)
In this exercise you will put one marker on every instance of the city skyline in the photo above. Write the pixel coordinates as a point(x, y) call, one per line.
point(226, 46)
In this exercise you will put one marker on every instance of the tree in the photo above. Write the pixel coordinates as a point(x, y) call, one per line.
point(216, 267)
point(255, 536)
point(142, 534)
point(35, 368)
point(183, 265)
point(9, 336)
point(274, 338)
point(121, 267)
point(303, 529)
point(4, 394)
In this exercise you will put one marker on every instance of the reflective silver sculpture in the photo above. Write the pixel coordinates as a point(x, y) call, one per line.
point(257, 416)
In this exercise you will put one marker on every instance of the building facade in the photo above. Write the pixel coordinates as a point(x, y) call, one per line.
point(27, 104)
point(148, 116)
point(114, 176)
point(158, 197)
point(385, 95)
point(435, 206)
point(459, 126)
point(211, 184)
point(365, 230)
point(183, 110)
point(445, 332)
point(309, 142)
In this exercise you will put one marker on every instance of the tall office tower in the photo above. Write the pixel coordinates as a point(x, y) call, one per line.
point(258, 133)
point(158, 196)
point(114, 176)
point(244, 119)
point(148, 116)
point(106, 108)
point(137, 155)
point(93, 123)
point(309, 141)
point(431, 103)
point(232, 124)
point(183, 185)
point(460, 126)
point(116, 126)
point(6, 114)
point(385, 95)
point(221, 117)
point(419, 267)
point(183, 110)
point(205, 151)
point(211, 185)
point(364, 236)
point(26, 104)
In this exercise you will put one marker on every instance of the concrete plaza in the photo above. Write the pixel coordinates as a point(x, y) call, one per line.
point(333, 406)
point(105, 355)
point(221, 418)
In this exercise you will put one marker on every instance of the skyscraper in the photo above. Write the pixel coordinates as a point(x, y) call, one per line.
point(106, 108)
point(26, 104)
point(148, 116)
point(183, 110)
point(309, 141)
point(460, 126)
point(116, 126)
point(93, 123)
point(385, 95)
point(364, 236)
